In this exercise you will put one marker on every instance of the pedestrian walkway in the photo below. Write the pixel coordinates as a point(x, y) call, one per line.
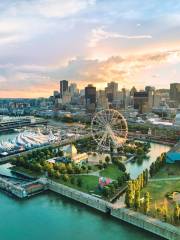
point(164, 179)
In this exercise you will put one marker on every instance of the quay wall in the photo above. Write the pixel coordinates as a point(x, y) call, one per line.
point(152, 225)
point(81, 197)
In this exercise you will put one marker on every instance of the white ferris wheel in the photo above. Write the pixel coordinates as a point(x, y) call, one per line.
point(109, 128)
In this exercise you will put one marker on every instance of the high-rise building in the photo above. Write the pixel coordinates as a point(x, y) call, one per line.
point(90, 98)
point(132, 91)
point(144, 101)
point(102, 100)
point(150, 88)
point(73, 89)
point(111, 91)
point(141, 101)
point(66, 98)
point(63, 87)
point(56, 94)
point(175, 92)
point(157, 99)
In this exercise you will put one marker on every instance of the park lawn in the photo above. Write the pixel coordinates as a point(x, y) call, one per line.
point(112, 171)
point(89, 183)
point(169, 170)
point(158, 191)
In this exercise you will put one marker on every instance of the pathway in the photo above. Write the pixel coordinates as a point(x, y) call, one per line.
point(164, 179)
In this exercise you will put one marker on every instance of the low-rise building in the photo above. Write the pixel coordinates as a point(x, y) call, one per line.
point(70, 152)
point(174, 154)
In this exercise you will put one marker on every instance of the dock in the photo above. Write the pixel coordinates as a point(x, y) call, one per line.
point(21, 188)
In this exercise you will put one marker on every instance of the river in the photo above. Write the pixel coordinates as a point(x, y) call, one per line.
point(50, 216)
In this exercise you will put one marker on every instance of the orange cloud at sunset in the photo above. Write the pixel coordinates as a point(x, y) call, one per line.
point(41, 81)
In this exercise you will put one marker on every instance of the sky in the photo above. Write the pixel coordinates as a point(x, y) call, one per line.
point(132, 42)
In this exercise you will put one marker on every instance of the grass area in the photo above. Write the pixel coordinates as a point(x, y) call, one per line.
point(28, 172)
point(112, 171)
point(89, 183)
point(169, 170)
point(158, 191)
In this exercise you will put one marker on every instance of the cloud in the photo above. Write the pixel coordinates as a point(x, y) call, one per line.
point(44, 79)
point(48, 8)
point(99, 34)
point(27, 19)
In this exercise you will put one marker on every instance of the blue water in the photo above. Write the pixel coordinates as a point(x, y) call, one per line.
point(50, 216)
point(136, 168)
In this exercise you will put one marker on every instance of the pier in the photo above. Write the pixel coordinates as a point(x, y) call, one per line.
point(21, 188)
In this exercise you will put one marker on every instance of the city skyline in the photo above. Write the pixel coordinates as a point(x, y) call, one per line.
point(87, 41)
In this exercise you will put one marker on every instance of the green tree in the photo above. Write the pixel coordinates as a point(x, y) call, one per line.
point(176, 214)
point(121, 166)
point(107, 159)
point(79, 182)
point(106, 191)
point(146, 203)
point(137, 199)
point(120, 181)
point(57, 174)
point(65, 177)
point(129, 197)
point(145, 176)
point(62, 168)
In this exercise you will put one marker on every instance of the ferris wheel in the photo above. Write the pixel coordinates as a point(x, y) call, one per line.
point(109, 127)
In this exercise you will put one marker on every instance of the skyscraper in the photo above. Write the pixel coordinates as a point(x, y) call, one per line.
point(175, 92)
point(73, 89)
point(102, 100)
point(111, 91)
point(90, 98)
point(141, 101)
point(63, 87)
